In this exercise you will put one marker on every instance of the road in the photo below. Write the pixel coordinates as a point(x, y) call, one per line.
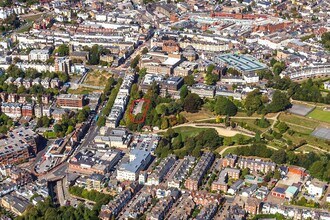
point(60, 193)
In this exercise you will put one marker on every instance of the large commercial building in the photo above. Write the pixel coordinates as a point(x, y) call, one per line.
point(242, 63)
point(17, 146)
point(99, 162)
point(138, 160)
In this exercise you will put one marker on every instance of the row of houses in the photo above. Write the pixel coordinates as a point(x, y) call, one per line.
point(195, 179)
point(28, 83)
point(120, 103)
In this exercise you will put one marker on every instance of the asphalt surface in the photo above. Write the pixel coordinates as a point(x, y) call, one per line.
point(61, 171)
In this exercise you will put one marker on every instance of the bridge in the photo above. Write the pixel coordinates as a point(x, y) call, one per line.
point(309, 72)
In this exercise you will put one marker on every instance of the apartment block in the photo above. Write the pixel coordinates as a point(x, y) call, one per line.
point(195, 179)
point(70, 101)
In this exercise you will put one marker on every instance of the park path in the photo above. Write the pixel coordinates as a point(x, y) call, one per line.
point(275, 119)
point(227, 132)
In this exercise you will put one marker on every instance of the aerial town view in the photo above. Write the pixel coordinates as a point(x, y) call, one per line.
point(164, 109)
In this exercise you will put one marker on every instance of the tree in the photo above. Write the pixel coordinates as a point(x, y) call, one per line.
point(263, 122)
point(62, 50)
point(177, 142)
point(145, 50)
point(135, 62)
point(164, 123)
point(211, 78)
point(317, 169)
point(189, 80)
point(224, 106)
point(325, 40)
point(94, 57)
point(280, 102)
point(192, 103)
point(142, 73)
point(253, 102)
point(308, 91)
point(278, 67)
point(21, 90)
point(184, 92)
point(210, 68)
point(57, 128)
point(279, 156)
point(277, 175)
point(245, 172)
point(161, 109)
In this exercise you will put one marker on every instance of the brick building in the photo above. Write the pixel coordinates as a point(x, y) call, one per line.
point(70, 101)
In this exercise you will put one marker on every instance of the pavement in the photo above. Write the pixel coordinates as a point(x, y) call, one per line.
point(138, 108)
point(61, 171)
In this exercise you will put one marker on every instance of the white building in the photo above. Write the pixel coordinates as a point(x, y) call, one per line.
point(138, 160)
point(251, 78)
point(41, 55)
point(316, 188)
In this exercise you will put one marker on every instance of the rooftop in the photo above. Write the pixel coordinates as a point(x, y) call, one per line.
point(243, 63)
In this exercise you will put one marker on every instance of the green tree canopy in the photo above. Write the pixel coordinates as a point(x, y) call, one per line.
point(192, 103)
point(224, 106)
point(62, 50)
point(280, 102)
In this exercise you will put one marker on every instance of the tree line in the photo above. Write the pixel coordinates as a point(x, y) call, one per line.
point(109, 93)
point(174, 143)
point(48, 211)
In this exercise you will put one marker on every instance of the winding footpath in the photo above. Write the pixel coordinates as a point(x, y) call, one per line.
point(226, 132)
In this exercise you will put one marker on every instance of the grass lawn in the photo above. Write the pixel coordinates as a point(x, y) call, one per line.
point(32, 17)
point(97, 78)
point(277, 144)
point(229, 151)
point(202, 114)
point(320, 115)
point(299, 120)
point(25, 28)
point(243, 114)
point(307, 149)
point(188, 131)
point(50, 134)
point(301, 130)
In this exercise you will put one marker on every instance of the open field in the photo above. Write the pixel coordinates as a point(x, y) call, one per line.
point(229, 151)
point(302, 130)
point(307, 149)
point(277, 144)
point(202, 114)
point(97, 78)
point(301, 121)
point(320, 115)
point(188, 131)
point(83, 90)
